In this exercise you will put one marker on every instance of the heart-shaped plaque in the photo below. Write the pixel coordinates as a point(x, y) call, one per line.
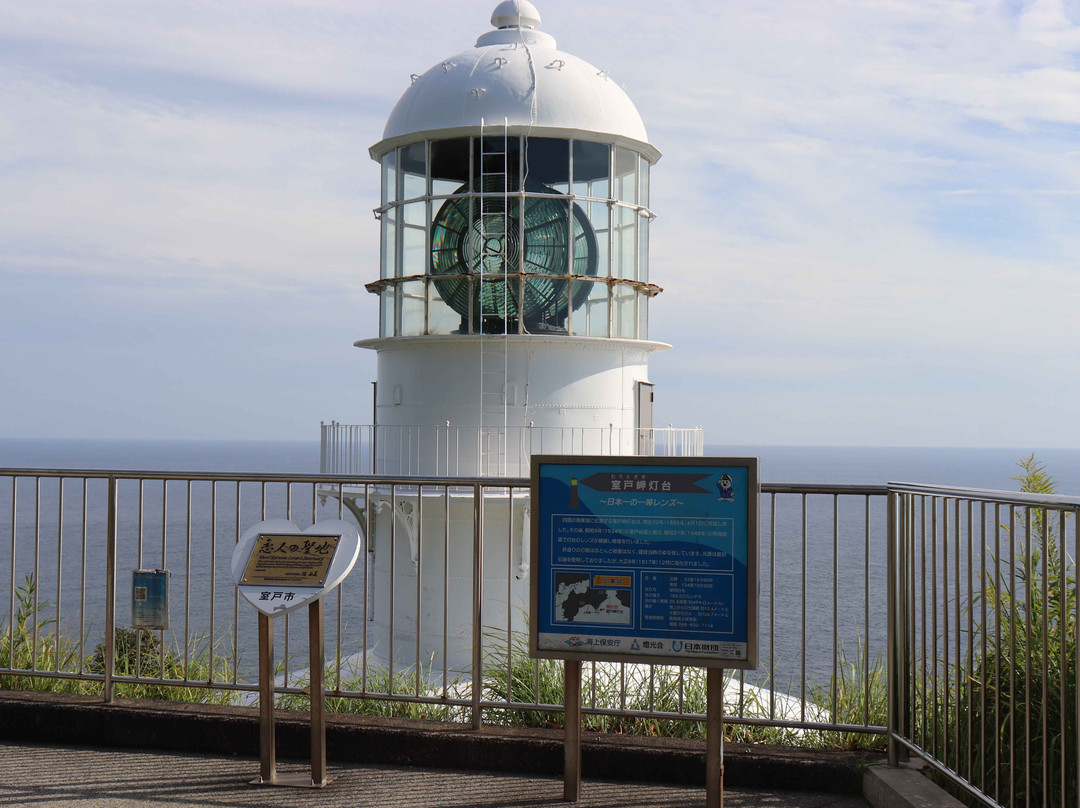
point(279, 568)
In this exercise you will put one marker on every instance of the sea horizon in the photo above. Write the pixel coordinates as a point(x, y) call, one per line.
point(991, 468)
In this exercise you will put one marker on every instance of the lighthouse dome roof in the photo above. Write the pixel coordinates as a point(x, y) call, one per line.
point(515, 73)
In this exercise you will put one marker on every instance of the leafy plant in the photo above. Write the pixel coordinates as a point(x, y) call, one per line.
point(31, 641)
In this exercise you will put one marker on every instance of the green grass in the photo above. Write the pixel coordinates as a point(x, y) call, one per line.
point(47, 649)
point(372, 692)
point(139, 652)
point(136, 653)
point(511, 676)
point(861, 693)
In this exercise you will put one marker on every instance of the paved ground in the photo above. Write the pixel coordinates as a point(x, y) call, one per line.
point(35, 775)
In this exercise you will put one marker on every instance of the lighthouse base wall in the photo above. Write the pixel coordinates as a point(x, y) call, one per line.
point(481, 405)
point(424, 580)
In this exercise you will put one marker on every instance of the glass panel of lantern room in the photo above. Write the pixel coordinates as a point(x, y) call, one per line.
point(624, 319)
point(591, 169)
point(412, 308)
point(624, 243)
point(389, 177)
point(547, 165)
point(643, 316)
point(442, 319)
point(497, 163)
point(546, 233)
point(412, 163)
point(643, 246)
point(414, 243)
point(599, 215)
point(626, 175)
point(449, 166)
point(585, 257)
point(386, 312)
point(592, 318)
point(643, 182)
point(389, 242)
point(546, 304)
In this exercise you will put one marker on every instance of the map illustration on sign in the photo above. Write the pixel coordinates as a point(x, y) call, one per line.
point(649, 557)
point(581, 597)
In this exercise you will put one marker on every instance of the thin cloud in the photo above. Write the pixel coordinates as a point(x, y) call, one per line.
point(838, 176)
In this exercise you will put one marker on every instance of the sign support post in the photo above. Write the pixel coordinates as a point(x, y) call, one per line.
point(714, 738)
point(279, 569)
point(268, 775)
point(317, 696)
point(267, 748)
point(572, 730)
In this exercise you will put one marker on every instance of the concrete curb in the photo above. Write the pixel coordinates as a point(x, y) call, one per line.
point(904, 787)
point(142, 724)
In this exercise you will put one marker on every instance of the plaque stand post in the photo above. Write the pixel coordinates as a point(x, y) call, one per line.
point(714, 738)
point(268, 774)
point(571, 730)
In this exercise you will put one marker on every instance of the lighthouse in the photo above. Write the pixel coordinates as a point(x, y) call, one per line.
point(514, 298)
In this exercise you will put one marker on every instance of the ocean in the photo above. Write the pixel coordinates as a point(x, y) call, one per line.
point(272, 456)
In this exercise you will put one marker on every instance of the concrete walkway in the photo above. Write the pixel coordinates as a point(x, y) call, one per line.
point(38, 775)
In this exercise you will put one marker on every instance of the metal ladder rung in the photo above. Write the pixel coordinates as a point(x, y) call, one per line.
point(494, 157)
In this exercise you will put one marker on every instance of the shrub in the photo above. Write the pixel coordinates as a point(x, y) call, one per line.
point(140, 653)
point(1022, 731)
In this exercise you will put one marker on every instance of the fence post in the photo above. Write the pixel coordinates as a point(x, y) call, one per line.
point(477, 617)
point(110, 592)
point(892, 633)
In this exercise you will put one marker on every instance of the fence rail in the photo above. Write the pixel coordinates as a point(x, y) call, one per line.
point(486, 451)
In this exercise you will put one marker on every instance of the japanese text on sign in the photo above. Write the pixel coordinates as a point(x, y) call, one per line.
point(290, 559)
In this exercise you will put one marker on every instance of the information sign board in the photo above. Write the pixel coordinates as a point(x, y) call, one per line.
point(645, 557)
point(150, 599)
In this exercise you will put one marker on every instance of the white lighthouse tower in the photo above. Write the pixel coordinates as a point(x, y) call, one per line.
point(514, 286)
point(514, 294)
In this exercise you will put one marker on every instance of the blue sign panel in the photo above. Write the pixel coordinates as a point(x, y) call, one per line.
point(649, 557)
point(150, 599)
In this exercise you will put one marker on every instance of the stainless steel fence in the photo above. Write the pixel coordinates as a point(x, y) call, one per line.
point(984, 616)
point(70, 539)
point(970, 596)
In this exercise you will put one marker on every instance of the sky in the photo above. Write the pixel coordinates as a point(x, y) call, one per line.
point(868, 224)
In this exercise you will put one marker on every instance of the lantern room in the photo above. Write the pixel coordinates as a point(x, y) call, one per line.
point(515, 195)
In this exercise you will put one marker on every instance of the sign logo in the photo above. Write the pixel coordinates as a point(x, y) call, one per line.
point(676, 646)
point(575, 642)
